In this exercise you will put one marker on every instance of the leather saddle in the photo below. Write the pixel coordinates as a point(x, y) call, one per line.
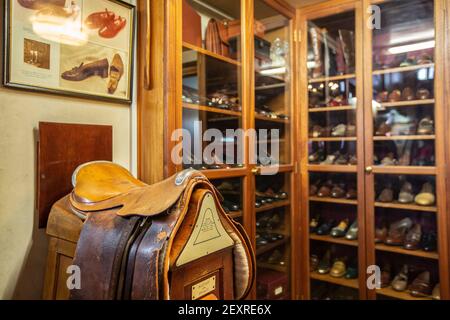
point(134, 235)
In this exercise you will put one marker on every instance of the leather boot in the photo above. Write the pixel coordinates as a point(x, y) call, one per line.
point(347, 39)
point(84, 71)
point(115, 73)
point(317, 50)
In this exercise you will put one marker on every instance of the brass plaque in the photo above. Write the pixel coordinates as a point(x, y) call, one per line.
point(203, 288)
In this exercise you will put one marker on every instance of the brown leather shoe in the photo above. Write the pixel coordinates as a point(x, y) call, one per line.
point(338, 191)
point(386, 275)
point(423, 94)
point(387, 195)
point(397, 232)
point(383, 129)
point(395, 96)
point(406, 193)
point(325, 190)
point(421, 286)
point(84, 71)
point(413, 238)
point(408, 94)
point(382, 96)
point(115, 73)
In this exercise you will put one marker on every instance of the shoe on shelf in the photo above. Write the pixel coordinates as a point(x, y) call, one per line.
point(436, 294)
point(389, 160)
point(340, 230)
point(352, 233)
point(395, 96)
point(386, 195)
point(400, 282)
point(397, 232)
point(386, 275)
point(382, 97)
point(381, 233)
point(429, 242)
point(408, 94)
point(338, 191)
point(383, 130)
point(426, 126)
point(351, 193)
point(423, 94)
point(314, 188)
point(406, 193)
point(313, 262)
point(325, 189)
point(426, 196)
point(325, 228)
point(339, 130)
point(325, 263)
point(352, 272)
point(413, 238)
point(421, 286)
point(314, 224)
point(329, 160)
point(338, 269)
point(276, 258)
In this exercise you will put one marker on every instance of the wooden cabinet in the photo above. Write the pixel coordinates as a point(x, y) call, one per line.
point(384, 105)
point(233, 70)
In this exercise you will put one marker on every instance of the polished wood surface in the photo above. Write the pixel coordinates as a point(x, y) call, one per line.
point(62, 147)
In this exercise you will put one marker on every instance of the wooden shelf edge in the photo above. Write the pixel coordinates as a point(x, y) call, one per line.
point(333, 200)
point(332, 168)
point(225, 173)
point(343, 241)
point(271, 246)
point(333, 78)
point(405, 137)
point(412, 170)
point(274, 205)
point(337, 139)
point(351, 283)
point(266, 265)
point(403, 69)
point(394, 205)
point(263, 118)
point(403, 295)
point(400, 250)
point(410, 103)
point(211, 109)
point(210, 53)
point(331, 109)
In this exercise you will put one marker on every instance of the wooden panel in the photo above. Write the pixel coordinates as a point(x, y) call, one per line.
point(61, 149)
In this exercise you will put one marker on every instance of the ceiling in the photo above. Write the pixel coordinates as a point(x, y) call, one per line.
point(302, 3)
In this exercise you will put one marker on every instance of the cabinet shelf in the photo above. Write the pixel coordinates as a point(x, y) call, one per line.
point(343, 241)
point(333, 200)
point(331, 168)
point(266, 265)
point(330, 109)
point(351, 283)
point(273, 205)
point(403, 69)
point(412, 170)
point(210, 54)
point(333, 78)
point(268, 247)
point(235, 214)
point(263, 118)
point(270, 86)
point(211, 109)
point(400, 250)
point(403, 295)
point(331, 139)
point(412, 137)
point(412, 207)
point(412, 103)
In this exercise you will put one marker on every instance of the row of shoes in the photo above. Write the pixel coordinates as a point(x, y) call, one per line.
point(218, 100)
point(423, 156)
point(407, 94)
point(340, 130)
point(425, 197)
point(336, 230)
point(419, 287)
point(338, 158)
point(406, 62)
point(264, 238)
point(329, 188)
point(266, 112)
point(406, 233)
point(269, 196)
point(337, 101)
point(269, 221)
point(336, 268)
point(425, 127)
point(276, 257)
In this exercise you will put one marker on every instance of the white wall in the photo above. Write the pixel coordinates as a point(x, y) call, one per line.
point(23, 247)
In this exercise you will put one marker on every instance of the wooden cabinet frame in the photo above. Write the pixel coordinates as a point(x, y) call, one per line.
point(365, 180)
point(160, 107)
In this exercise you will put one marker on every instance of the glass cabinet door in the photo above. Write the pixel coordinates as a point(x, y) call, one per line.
point(211, 83)
point(403, 146)
point(273, 116)
point(333, 206)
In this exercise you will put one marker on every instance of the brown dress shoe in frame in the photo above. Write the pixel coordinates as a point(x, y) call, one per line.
point(115, 73)
point(84, 71)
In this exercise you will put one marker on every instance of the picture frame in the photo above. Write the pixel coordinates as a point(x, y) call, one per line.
point(77, 48)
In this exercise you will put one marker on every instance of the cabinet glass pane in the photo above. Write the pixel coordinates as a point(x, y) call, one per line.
point(231, 191)
point(404, 141)
point(272, 84)
point(273, 226)
point(211, 83)
point(333, 203)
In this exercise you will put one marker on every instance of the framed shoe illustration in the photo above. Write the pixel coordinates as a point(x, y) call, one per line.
point(77, 48)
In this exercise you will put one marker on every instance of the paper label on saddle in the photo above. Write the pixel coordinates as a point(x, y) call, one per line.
point(204, 287)
point(208, 235)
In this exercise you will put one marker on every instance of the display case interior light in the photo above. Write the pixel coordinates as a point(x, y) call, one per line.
point(273, 71)
point(412, 47)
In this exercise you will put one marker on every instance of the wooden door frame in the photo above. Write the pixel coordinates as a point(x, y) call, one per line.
point(304, 14)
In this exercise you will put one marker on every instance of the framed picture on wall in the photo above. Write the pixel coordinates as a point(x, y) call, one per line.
point(80, 48)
